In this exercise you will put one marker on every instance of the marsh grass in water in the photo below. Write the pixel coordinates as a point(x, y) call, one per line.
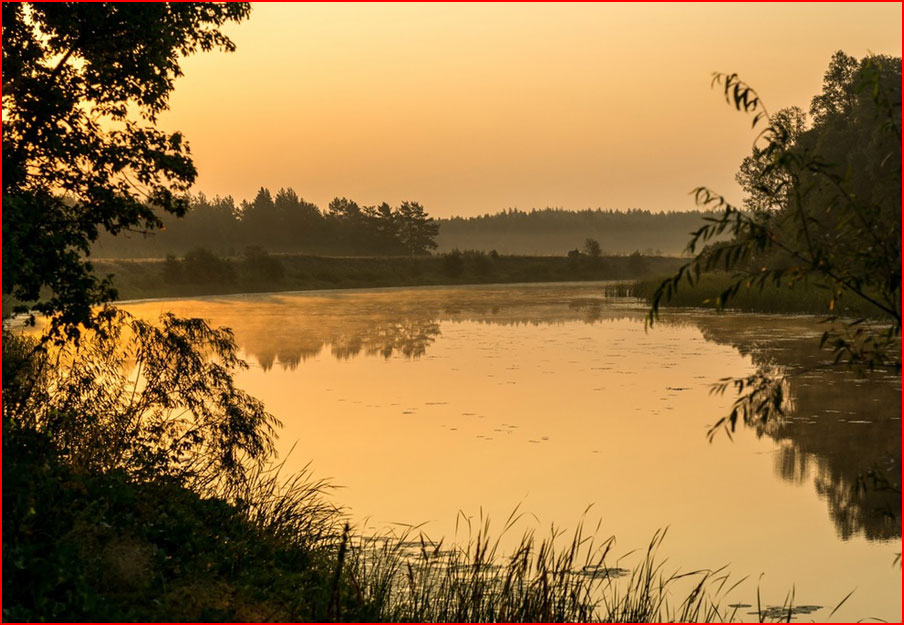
point(558, 577)
point(802, 298)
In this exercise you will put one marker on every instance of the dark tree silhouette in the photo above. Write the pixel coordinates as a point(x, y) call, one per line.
point(417, 232)
point(83, 85)
point(823, 208)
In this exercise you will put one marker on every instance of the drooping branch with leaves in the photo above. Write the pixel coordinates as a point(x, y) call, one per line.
point(151, 399)
point(822, 211)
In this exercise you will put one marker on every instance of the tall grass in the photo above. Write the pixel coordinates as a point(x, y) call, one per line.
point(557, 577)
point(801, 298)
point(482, 575)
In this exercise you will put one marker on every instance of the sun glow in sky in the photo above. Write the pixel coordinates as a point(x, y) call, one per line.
point(474, 108)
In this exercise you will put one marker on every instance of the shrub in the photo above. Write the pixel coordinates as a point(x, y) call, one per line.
point(172, 270)
point(201, 266)
point(453, 264)
point(154, 400)
point(259, 265)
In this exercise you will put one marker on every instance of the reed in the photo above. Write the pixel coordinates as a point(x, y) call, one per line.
point(556, 577)
point(799, 298)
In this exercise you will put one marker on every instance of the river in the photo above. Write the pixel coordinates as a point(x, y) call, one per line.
point(424, 403)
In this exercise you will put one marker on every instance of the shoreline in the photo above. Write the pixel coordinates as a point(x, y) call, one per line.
point(155, 279)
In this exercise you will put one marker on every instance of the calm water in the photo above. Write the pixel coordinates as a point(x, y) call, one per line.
point(421, 403)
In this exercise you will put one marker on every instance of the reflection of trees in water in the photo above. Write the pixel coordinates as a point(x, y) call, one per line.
point(375, 324)
point(840, 428)
point(292, 344)
point(409, 337)
point(813, 440)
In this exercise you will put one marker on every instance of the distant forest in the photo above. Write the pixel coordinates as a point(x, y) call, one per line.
point(555, 231)
point(285, 222)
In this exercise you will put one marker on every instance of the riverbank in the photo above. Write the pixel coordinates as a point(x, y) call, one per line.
point(801, 299)
point(140, 279)
point(109, 547)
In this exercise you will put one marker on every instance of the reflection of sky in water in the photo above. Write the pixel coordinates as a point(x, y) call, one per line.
point(424, 402)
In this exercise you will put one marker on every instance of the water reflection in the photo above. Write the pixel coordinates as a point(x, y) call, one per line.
point(844, 431)
point(286, 330)
point(840, 428)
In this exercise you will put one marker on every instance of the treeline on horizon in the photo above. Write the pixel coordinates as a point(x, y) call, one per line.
point(286, 223)
point(283, 223)
point(555, 231)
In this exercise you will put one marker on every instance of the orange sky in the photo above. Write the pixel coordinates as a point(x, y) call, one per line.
point(474, 108)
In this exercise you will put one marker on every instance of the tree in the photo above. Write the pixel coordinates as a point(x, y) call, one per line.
point(823, 209)
point(260, 218)
point(592, 248)
point(386, 230)
point(83, 85)
point(345, 210)
point(417, 232)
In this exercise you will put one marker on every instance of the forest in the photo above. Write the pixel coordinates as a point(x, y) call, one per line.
point(283, 222)
point(286, 223)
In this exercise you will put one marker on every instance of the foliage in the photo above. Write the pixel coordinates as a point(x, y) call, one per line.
point(259, 265)
point(592, 248)
point(823, 209)
point(86, 546)
point(222, 224)
point(453, 263)
point(201, 266)
point(801, 298)
point(162, 278)
point(417, 232)
point(83, 85)
point(286, 223)
point(151, 400)
point(103, 547)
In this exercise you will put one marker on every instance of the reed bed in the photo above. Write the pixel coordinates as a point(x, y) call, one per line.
point(556, 577)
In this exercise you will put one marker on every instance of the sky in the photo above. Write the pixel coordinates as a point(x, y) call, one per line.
point(476, 108)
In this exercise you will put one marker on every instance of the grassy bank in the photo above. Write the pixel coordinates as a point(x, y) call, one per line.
point(802, 298)
point(82, 546)
point(137, 279)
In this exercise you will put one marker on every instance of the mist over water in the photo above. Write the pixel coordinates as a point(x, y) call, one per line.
point(421, 403)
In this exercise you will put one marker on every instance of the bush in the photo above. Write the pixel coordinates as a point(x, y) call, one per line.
point(152, 400)
point(259, 265)
point(201, 266)
point(86, 546)
point(453, 264)
point(479, 262)
point(592, 248)
point(172, 270)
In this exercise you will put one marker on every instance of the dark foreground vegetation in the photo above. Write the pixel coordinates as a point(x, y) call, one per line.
point(201, 272)
point(105, 547)
point(821, 217)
